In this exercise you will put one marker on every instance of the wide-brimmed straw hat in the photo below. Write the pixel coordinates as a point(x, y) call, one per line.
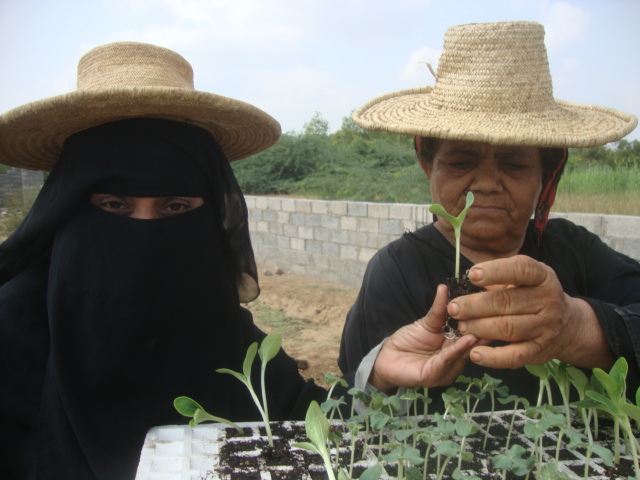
point(493, 85)
point(126, 80)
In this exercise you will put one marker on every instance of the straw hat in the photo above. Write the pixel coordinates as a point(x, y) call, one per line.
point(493, 85)
point(125, 80)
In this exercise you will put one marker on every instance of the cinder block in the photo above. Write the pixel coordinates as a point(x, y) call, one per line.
point(378, 210)
point(302, 205)
point(348, 252)
point(370, 225)
point(357, 209)
point(349, 223)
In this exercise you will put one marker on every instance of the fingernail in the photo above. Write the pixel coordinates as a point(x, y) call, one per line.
point(462, 326)
point(453, 309)
point(476, 357)
point(476, 274)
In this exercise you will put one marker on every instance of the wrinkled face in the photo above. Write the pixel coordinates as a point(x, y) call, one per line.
point(145, 208)
point(505, 181)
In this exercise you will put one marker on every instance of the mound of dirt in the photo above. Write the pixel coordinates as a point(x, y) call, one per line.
point(310, 314)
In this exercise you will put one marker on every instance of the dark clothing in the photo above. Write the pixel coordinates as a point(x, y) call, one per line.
point(111, 318)
point(400, 283)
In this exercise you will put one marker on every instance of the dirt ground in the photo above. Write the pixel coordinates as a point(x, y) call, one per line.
point(308, 313)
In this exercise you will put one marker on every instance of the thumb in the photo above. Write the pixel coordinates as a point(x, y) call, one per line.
point(435, 319)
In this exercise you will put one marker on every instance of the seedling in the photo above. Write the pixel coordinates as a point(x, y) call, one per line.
point(269, 348)
point(456, 223)
point(190, 408)
point(614, 402)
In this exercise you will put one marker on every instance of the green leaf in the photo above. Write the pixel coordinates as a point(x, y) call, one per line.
point(604, 453)
point(249, 358)
point(611, 386)
point(372, 473)
point(330, 379)
point(306, 446)
point(465, 428)
point(317, 425)
point(631, 410)
point(200, 416)
point(439, 210)
point(186, 406)
point(270, 347)
point(603, 402)
point(239, 376)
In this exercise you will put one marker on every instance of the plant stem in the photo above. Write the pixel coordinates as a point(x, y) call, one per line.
point(632, 441)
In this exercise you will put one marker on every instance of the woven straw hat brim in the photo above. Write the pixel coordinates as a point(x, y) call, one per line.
point(563, 124)
point(32, 135)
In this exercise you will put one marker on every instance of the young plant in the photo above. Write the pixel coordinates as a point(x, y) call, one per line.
point(269, 348)
point(190, 408)
point(317, 428)
point(456, 223)
point(614, 402)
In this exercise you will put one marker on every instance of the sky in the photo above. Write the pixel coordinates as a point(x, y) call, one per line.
point(293, 58)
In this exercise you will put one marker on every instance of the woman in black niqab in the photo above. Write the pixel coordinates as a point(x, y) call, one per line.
point(106, 319)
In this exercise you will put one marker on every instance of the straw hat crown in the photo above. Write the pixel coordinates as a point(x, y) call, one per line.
point(494, 85)
point(132, 64)
point(126, 80)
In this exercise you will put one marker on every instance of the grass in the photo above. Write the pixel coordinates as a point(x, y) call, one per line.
point(274, 320)
point(600, 190)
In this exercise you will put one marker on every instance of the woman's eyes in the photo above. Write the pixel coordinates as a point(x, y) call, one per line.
point(175, 207)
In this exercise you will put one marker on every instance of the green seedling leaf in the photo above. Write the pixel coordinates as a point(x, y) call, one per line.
point(269, 347)
point(603, 402)
point(186, 406)
point(202, 416)
point(239, 376)
point(317, 425)
point(310, 447)
point(342, 475)
point(604, 453)
point(374, 472)
point(631, 410)
point(249, 358)
point(448, 448)
point(456, 223)
point(330, 379)
point(611, 386)
point(465, 428)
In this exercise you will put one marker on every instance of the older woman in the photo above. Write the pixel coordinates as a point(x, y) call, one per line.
point(491, 126)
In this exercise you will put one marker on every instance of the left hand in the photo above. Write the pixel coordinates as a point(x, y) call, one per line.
point(532, 313)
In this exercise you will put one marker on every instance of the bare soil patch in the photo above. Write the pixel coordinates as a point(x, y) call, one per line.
point(309, 314)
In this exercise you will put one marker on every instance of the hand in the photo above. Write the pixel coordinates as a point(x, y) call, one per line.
point(533, 313)
point(419, 355)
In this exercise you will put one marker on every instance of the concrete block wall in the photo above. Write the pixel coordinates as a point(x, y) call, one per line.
point(334, 240)
point(18, 182)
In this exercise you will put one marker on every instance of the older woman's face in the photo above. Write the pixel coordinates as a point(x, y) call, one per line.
point(145, 208)
point(505, 181)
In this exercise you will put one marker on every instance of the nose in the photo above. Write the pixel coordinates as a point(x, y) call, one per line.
point(144, 209)
point(486, 179)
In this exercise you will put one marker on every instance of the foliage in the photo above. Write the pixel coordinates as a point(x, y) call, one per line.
point(362, 165)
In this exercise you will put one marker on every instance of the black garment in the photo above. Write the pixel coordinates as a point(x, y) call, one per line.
point(107, 321)
point(400, 283)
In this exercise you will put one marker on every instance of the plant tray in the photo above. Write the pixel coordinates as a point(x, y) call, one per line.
point(218, 452)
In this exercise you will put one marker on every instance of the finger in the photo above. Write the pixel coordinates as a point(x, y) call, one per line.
point(505, 301)
point(517, 270)
point(514, 355)
point(435, 318)
point(511, 328)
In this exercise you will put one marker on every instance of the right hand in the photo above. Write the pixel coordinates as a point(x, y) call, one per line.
point(418, 354)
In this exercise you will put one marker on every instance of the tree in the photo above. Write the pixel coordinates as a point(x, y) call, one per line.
point(317, 125)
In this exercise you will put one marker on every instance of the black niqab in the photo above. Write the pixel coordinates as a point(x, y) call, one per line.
point(133, 313)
